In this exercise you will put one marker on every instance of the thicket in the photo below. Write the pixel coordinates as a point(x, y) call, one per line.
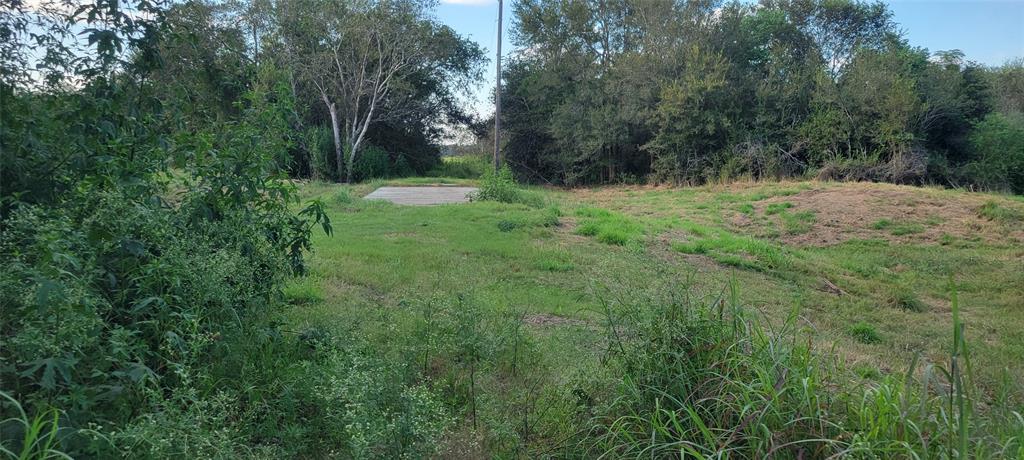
point(691, 92)
point(145, 242)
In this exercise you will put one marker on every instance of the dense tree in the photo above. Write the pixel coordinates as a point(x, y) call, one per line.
point(373, 63)
point(696, 91)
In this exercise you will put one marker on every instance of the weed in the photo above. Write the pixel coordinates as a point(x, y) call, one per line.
point(881, 224)
point(343, 196)
point(898, 229)
point(797, 223)
point(29, 437)
point(865, 333)
point(608, 227)
point(707, 379)
point(554, 265)
point(993, 211)
point(506, 225)
point(550, 217)
point(735, 250)
point(746, 208)
point(501, 186)
point(903, 298)
point(776, 208)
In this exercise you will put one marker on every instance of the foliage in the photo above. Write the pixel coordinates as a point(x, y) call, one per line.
point(709, 379)
point(462, 167)
point(777, 89)
point(502, 187)
point(998, 160)
point(608, 227)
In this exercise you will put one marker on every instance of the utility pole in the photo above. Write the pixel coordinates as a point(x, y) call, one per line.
point(497, 97)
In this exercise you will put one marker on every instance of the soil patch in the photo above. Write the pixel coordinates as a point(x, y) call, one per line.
point(876, 211)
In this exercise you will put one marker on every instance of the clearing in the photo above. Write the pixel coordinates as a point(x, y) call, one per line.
point(866, 269)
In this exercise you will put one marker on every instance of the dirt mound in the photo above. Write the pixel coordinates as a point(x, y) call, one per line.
point(896, 213)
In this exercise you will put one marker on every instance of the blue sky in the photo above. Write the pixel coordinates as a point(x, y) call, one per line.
point(987, 31)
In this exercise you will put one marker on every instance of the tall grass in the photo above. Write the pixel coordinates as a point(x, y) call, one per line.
point(704, 379)
point(23, 437)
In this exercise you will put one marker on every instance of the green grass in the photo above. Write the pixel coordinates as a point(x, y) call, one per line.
point(865, 333)
point(733, 250)
point(797, 223)
point(608, 227)
point(514, 314)
point(1000, 213)
point(304, 290)
point(776, 208)
point(898, 229)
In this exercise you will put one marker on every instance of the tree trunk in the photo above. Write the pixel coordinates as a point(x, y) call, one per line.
point(337, 135)
point(351, 162)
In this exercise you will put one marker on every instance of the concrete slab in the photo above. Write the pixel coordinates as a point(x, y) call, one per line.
point(422, 196)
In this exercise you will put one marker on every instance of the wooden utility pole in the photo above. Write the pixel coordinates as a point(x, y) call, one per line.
point(497, 97)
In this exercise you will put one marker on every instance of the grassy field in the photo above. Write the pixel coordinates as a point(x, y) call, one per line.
point(511, 311)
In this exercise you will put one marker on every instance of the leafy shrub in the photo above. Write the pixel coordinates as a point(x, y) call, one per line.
point(371, 163)
point(502, 187)
point(115, 302)
point(998, 157)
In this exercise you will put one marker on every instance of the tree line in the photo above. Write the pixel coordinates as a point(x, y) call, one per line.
point(698, 91)
point(372, 82)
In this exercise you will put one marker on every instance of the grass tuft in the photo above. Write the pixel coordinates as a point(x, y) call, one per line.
point(776, 208)
point(865, 333)
point(993, 211)
point(903, 298)
point(608, 227)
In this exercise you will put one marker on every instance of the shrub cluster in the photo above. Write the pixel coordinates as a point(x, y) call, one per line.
point(501, 186)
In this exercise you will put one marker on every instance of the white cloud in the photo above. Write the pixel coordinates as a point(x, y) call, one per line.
point(468, 2)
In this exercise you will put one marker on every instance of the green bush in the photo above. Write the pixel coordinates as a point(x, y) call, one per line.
point(998, 153)
point(501, 186)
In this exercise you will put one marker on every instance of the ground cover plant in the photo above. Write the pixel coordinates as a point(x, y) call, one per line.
point(587, 343)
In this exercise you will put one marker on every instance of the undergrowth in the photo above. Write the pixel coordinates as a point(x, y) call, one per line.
point(501, 186)
point(704, 379)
